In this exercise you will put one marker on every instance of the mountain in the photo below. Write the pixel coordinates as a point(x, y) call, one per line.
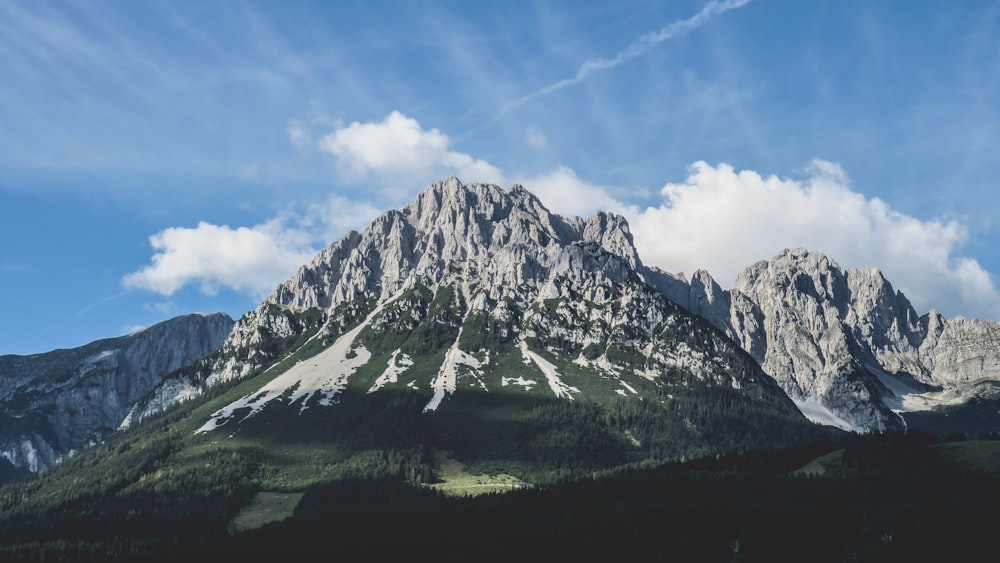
point(849, 349)
point(59, 402)
point(471, 299)
point(568, 294)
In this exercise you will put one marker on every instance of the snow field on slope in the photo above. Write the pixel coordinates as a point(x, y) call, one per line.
point(325, 373)
point(396, 366)
point(820, 414)
point(907, 399)
point(556, 383)
point(446, 380)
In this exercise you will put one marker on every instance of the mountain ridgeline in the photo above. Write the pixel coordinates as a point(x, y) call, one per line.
point(475, 287)
point(850, 350)
point(59, 402)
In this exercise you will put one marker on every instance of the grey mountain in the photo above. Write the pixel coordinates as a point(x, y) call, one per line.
point(58, 402)
point(846, 346)
point(473, 288)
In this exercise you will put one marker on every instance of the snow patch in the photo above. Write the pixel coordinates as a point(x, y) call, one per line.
point(24, 454)
point(98, 357)
point(905, 398)
point(819, 414)
point(551, 374)
point(629, 387)
point(519, 381)
point(397, 365)
point(325, 373)
point(446, 380)
point(170, 392)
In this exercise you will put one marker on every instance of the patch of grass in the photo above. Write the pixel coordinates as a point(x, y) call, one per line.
point(827, 465)
point(456, 481)
point(975, 455)
point(265, 507)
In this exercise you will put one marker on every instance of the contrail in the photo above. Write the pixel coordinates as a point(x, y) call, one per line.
point(637, 48)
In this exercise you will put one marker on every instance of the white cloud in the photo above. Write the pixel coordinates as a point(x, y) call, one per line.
point(330, 220)
point(717, 219)
point(398, 149)
point(722, 220)
point(251, 260)
point(563, 192)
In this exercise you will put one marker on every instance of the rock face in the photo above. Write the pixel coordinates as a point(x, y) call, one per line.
point(55, 403)
point(848, 348)
point(480, 288)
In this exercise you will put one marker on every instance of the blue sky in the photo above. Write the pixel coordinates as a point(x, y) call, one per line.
point(160, 158)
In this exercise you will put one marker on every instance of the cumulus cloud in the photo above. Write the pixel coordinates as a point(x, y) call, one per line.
point(398, 149)
point(330, 220)
point(251, 260)
point(722, 220)
point(563, 192)
point(246, 259)
point(718, 219)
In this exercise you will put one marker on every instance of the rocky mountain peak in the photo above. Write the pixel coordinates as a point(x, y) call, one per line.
point(612, 232)
point(471, 235)
point(797, 274)
point(838, 341)
point(843, 343)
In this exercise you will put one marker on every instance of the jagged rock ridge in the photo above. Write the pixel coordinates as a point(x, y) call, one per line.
point(55, 403)
point(846, 346)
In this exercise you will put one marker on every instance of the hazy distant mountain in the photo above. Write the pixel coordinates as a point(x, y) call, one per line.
point(59, 402)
